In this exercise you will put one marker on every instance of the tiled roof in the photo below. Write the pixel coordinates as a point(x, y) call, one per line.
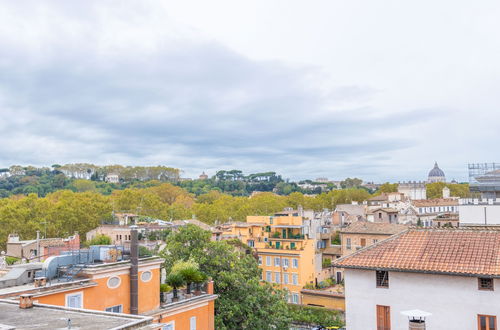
point(450, 251)
point(435, 202)
point(366, 227)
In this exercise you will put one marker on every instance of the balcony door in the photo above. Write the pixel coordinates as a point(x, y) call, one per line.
point(486, 322)
point(383, 317)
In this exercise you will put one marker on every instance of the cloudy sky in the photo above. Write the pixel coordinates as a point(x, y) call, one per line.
point(373, 89)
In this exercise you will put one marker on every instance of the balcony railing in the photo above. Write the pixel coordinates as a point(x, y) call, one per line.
point(167, 298)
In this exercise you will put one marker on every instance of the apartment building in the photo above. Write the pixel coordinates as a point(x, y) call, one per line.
point(40, 248)
point(425, 279)
point(430, 209)
point(363, 233)
point(289, 247)
point(102, 278)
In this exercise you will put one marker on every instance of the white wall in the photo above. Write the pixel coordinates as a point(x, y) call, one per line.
point(454, 301)
point(474, 214)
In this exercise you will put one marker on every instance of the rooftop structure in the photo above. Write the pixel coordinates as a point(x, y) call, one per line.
point(47, 317)
point(484, 178)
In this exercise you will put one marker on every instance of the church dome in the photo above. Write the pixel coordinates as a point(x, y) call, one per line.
point(436, 174)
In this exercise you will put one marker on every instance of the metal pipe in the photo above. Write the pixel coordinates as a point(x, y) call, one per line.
point(134, 269)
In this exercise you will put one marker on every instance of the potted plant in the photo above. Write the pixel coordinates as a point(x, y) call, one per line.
point(198, 280)
point(175, 280)
point(164, 289)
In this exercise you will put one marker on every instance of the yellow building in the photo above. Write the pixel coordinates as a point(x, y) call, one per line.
point(289, 247)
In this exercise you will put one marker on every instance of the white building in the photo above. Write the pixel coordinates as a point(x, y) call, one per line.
point(413, 190)
point(473, 211)
point(452, 274)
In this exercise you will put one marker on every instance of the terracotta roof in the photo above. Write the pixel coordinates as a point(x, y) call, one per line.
point(450, 251)
point(381, 197)
point(366, 227)
point(435, 202)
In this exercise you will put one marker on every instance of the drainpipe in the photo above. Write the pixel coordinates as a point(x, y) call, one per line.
point(134, 268)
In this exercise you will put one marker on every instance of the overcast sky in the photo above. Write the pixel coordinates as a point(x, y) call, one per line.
point(332, 88)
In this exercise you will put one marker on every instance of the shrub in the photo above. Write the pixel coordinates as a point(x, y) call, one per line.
point(11, 260)
point(165, 287)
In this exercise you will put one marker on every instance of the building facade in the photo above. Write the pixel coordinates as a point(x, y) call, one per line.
point(452, 276)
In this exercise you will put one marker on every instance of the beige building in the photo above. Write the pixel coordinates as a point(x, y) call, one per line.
point(363, 233)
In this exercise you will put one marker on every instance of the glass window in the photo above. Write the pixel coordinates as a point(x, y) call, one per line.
point(146, 276)
point(285, 262)
point(348, 243)
point(74, 300)
point(169, 326)
point(295, 263)
point(487, 322)
point(295, 298)
point(485, 284)
point(295, 279)
point(286, 278)
point(382, 278)
point(277, 277)
point(260, 260)
point(192, 323)
point(268, 261)
point(251, 243)
point(269, 276)
point(115, 309)
point(277, 261)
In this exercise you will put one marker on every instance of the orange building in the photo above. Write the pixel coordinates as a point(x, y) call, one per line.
point(101, 279)
point(289, 246)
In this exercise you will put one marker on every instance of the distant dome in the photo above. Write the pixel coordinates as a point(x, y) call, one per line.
point(436, 174)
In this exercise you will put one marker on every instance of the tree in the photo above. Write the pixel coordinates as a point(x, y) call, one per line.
point(388, 188)
point(100, 240)
point(351, 183)
point(242, 296)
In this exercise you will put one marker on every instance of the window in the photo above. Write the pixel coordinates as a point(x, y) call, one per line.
point(486, 322)
point(285, 262)
point(277, 277)
point(169, 326)
point(277, 261)
point(286, 278)
point(382, 277)
point(251, 243)
point(363, 242)
point(269, 276)
point(295, 279)
point(295, 298)
point(375, 241)
point(260, 260)
point(74, 300)
point(383, 317)
point(485, 284)
point(295, 263)
point(192, 323)
point(348, 243)
point(380, 215)
point(268, 261)
point(114, 282)
point(146, 276)
point(115, 309)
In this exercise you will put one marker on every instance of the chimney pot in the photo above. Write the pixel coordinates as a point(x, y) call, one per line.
point(26, 301)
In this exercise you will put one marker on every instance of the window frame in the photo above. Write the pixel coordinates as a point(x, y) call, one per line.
point(295, 263)
point(73, 294)
point(268, 261)
point(192, 325)
point(487, 321)
point(295, 276)
point(269, 276)
point(348, 243)
point(482, 288)
point(277, 262)
point(386, 317)
point(120, 307)
point(385, 278)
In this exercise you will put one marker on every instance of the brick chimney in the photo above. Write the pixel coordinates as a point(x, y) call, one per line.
point(26, 301)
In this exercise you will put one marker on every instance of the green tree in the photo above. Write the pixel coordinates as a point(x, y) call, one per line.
point(242, 296)
point(99, 240)
point(388, 188)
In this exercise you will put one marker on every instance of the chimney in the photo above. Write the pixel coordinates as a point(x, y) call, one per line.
point(210, 287)
point(134, 269)
point(26, 301)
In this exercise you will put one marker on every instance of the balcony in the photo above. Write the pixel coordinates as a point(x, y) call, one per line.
point(167, 298)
